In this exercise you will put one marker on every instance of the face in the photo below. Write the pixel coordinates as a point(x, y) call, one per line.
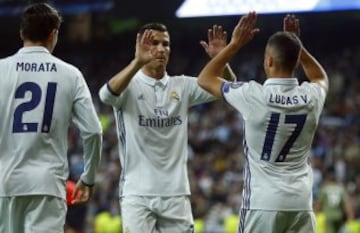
point(161, 48)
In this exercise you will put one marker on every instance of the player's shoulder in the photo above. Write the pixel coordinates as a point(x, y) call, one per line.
point(307, 85)
point(6, 60)
point(65, 65)
point(181, 77)
point(314, 88)
point(182, 80)
point(250, 86)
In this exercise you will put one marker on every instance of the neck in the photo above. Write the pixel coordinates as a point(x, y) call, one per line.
point(154, 73)
point(31, 44)
point(281, 74)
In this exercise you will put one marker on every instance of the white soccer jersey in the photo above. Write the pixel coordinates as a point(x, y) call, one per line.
point(152, 126)
point(39, 96)
point(280, 117)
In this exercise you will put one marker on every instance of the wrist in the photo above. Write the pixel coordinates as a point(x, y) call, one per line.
point(138, 64)
point(86, 184)
point(236, 45)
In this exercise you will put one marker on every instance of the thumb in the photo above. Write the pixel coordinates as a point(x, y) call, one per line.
point(75, 192)
point(204, 44)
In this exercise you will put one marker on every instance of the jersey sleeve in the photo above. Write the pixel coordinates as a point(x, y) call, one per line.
point(109, 97)
point(87, 121)
point(318, 93)
point(197, 95)
point(234, 93)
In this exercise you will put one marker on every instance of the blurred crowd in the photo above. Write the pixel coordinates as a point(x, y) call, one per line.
point(215, 141)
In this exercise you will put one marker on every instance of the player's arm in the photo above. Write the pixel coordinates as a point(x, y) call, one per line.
point(217, 41)
point(143, 55)
point(81, 193)
point(210, 76)
point(348, 209)
point(87, 121)
point(228, 74)
point(312, 68)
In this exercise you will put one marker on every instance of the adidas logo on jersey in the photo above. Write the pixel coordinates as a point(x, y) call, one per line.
point(141, 97)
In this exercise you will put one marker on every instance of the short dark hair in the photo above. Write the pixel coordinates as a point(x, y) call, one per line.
point(38, 20)
point(287, 48)
point(153, 26)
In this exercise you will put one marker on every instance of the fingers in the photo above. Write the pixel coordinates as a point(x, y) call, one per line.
point(297, 26)
point(291, 20)
point(248, 21)
point(81, 196)
point(291, 24)
point(216, 32)
point(76, 191)
point(204, 45)
point(224, 35)
point(254, 31)
point(147, 36)
point(245, 30)
point(138, 38)
point(250, 18)
point(81, 193)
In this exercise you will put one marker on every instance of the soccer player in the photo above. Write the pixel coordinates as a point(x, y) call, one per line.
point(335, 203)
point(280, 119)
point(151, 110)
point(40, 95)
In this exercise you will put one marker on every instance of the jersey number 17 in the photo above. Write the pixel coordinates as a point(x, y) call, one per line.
point(297, 119)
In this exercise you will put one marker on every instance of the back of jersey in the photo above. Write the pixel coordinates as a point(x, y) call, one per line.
point(280, 122)
point(280, 138)
point(36, 99)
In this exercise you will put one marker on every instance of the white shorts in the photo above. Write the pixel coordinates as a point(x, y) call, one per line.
point(156, 214)
point(32, 214)
point(260, 221)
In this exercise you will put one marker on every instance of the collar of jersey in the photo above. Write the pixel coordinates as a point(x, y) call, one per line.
point(151, 81)
point(32, 49)
point(281, 81)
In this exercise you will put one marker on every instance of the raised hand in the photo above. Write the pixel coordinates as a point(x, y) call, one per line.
point(143, 51)
point(291, 24)
point(245, 30)
point(217, 40)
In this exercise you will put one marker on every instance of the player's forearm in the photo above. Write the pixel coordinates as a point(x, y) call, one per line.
point(313, 69)
point(228, 73)
point(92, 155)
point(122, 79)
point(349, 210)
point(209, 78)
point(216, 65)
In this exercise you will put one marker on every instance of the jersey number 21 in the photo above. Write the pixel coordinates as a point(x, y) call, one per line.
point(36, 94)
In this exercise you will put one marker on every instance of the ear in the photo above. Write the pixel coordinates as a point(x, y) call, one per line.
point(270, 61)
point(21, 35)
point(53, 35)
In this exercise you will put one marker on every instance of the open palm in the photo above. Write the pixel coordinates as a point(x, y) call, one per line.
point(217, 40)
point(143, 47)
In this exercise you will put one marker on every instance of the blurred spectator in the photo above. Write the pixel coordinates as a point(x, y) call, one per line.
point(105, 222)
point(334, 201)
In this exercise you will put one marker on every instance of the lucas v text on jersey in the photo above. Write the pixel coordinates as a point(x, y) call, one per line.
point(287, 100)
